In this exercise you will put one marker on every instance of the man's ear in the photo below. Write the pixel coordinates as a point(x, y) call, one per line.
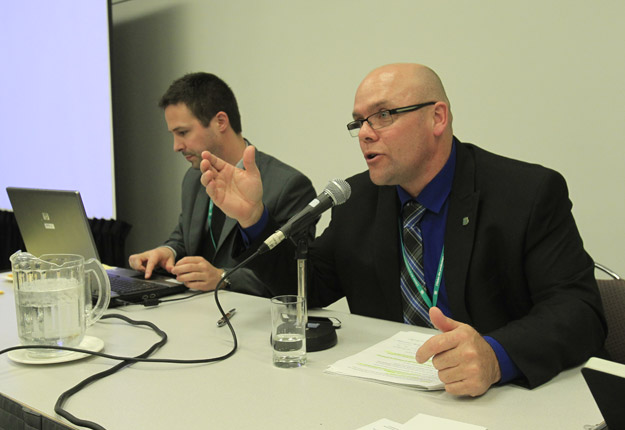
point(222, 120)
point(441, 118)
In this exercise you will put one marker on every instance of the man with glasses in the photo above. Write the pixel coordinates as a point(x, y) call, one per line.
point(202, 114)
point(444, 234)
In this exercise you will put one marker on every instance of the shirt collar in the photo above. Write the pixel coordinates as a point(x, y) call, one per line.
point(435, 193)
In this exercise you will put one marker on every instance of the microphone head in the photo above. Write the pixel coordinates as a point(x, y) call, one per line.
point(338, 190)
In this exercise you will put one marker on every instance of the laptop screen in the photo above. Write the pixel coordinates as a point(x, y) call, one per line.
point(52, 222)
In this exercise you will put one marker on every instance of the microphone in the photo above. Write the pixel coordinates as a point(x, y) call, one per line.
point(335, 193)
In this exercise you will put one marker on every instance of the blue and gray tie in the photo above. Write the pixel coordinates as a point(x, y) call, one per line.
point(415, 309)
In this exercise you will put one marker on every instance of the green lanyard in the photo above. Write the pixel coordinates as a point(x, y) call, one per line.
point(210, 219)
point(421, 288)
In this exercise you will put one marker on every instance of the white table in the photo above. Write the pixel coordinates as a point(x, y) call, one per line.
point(247, 391)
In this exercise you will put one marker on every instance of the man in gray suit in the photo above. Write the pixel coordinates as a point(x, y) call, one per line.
point(201, 112)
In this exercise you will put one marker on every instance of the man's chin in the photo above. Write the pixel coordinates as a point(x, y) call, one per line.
point(195, 162)
point(377, 179)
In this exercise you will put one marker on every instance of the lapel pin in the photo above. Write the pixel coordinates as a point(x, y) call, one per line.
point(465, 220)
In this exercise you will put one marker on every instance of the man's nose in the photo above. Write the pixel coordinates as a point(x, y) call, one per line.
point(366, 132)
point(178, 144)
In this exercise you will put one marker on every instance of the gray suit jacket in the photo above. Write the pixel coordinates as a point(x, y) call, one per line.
point(285, 192)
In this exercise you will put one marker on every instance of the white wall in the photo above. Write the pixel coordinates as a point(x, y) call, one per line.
point(535, 80)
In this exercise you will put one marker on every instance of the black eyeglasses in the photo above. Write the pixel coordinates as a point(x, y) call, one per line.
point(381, 119)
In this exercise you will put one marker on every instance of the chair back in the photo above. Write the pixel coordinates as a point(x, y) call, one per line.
point(613, 297)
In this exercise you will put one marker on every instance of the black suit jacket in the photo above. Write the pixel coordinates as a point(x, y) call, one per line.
point(515, 266)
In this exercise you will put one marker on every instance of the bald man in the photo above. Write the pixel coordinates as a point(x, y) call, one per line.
point(507, 280)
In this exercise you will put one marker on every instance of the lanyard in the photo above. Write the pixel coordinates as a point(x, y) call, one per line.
point(210, 220)
point(421, 288)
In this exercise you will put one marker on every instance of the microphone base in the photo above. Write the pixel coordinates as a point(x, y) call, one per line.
point(321, 337)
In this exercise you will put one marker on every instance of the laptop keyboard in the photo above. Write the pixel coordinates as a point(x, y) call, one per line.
point(128, 286)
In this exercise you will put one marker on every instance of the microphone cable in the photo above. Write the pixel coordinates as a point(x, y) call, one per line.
point(58, 407)
point(142, 358)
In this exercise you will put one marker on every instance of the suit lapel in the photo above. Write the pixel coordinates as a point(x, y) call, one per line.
point(386, 251)
point(198, 221)
point(460, 232)
point(228, 227)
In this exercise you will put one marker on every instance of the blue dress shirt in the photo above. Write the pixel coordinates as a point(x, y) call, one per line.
point(434, 197)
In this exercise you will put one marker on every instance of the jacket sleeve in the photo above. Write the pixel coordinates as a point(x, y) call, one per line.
point(564, 324)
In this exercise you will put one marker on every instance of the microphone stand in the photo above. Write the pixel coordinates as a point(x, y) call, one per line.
point(319, 335)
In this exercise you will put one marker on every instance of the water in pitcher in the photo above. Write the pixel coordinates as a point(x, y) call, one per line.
point(50, 313)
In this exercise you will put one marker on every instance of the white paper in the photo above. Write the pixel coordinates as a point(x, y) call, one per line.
point(422, 421)
point(383, 424)
point(392, 361)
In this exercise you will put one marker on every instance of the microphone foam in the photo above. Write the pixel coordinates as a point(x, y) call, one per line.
point(338, 190)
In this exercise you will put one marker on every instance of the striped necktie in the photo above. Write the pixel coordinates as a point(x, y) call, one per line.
point(415, 309)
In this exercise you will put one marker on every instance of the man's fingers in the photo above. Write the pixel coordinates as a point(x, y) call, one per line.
point(441, 342)
point(134, 262)
point(214, 161)
point(441, 322)
point(169, 264)
point(191, 264)
point(249, 160)
point(465, 388)
point(207, 168)
point(182, 266)
point(149, 266)
point(435, 345)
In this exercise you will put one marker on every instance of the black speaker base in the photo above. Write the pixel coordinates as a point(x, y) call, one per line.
point(321, 337)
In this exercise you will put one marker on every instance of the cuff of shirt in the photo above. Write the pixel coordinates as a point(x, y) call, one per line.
point(509, 370)
point(251, 233)
point(172, 250)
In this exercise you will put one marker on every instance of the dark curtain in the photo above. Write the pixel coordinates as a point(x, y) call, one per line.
point(109, 237)
point(10, 239)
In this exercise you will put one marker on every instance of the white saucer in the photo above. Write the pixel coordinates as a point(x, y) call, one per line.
point(89, 343)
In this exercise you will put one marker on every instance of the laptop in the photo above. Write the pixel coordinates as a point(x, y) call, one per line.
point(606, 381)
point(55, 222)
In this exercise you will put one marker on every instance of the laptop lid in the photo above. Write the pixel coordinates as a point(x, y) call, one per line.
point(606, 381)
point(52, 222)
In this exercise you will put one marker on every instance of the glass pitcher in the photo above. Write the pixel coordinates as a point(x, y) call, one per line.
point(53, 300)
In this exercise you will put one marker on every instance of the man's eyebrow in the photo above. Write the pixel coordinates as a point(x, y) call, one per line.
point(373, 109)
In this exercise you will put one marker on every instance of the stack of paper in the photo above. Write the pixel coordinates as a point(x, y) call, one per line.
point(392, 361)
point(422, 421)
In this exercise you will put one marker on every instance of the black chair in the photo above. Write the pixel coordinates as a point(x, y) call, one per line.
point(613, 298)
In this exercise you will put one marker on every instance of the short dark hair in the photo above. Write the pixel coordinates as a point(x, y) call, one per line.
point(204, 94)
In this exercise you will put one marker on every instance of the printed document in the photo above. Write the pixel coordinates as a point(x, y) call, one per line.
point(383, 424)
point(421, 421)
point(392, 361)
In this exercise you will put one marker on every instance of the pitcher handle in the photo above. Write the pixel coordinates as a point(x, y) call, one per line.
point(104, 291)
